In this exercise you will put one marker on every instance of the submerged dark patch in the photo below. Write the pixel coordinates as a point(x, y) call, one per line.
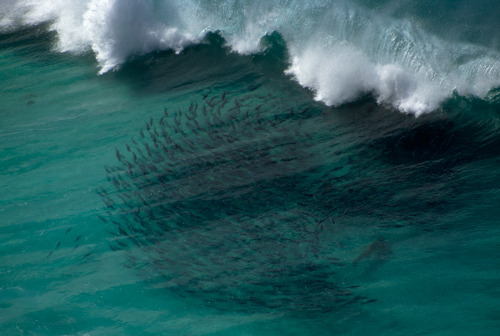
point(218, 200)
point(238, 198)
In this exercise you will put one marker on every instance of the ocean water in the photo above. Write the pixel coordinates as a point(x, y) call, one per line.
point(249, 167)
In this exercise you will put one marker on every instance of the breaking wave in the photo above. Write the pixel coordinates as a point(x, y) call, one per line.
point(339, 49)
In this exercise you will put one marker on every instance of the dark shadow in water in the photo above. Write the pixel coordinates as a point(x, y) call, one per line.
point(219, 199)
point(234, 200)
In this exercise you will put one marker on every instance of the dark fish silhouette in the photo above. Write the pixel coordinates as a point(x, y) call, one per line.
point(380, 248)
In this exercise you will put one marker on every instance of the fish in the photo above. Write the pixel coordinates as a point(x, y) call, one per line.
point(118, 155)
point(379, 249)
point(102, 218)
point(306, 110)
point(207, 94)
point(196, 198)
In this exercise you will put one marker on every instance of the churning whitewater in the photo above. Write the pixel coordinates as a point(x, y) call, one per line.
point(341, 50)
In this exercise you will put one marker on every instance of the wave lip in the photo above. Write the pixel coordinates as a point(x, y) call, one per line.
point(118, 29)
point(359, 52)
point(348, 74)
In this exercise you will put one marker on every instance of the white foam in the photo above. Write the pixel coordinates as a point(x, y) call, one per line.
point(342, 74)
point(338, 75)
point(120, 28)
point(337, 48)
point(113, 29)
point(394, 60)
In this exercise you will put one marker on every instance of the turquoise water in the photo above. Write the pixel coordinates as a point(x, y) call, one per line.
point(232, 187)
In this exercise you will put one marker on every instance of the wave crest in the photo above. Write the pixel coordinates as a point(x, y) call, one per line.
point(339, 49)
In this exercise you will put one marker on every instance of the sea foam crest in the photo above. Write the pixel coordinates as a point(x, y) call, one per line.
point(118, 29)
point(113, 29)
point(339, 49)
point(342, 74)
